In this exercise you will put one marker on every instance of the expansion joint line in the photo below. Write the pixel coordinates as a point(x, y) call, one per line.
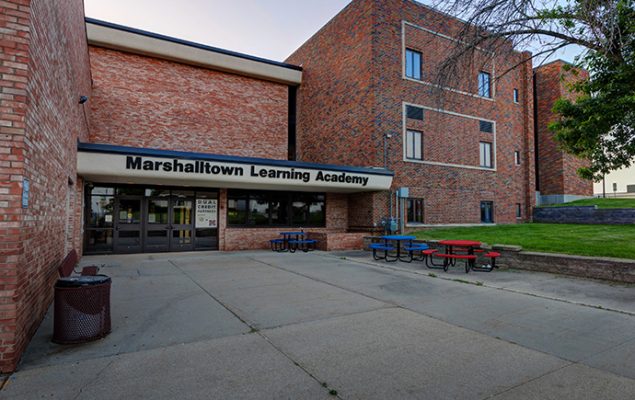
point(255, 330)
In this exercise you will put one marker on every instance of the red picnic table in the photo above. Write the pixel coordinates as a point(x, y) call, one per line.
point(460, 250)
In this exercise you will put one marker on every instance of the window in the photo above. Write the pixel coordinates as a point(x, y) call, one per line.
point(486, 126)
point(414, 145)
point(415, 211)
point(486, 154)
point(260, 208)
point(515, 95)
point(413, 64)
point(519, 211)
point(517, 157)
point(484, 84)
point(487, 212)
point(413, 112)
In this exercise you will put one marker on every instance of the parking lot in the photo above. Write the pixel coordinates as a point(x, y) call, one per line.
point(252, 325)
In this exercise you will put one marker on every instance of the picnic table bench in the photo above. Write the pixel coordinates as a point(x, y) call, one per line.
point(292, 241)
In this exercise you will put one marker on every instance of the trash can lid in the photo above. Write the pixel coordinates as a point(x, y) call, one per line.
point(83, 280)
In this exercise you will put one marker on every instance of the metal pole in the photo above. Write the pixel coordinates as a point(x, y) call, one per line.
point(603, 187)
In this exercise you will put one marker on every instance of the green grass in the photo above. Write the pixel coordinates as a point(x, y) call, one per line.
point(601, 203)
point(586, 240)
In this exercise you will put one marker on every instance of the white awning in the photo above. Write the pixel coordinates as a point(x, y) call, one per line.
point(115, 164)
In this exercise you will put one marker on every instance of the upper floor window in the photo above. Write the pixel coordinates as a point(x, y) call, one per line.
point(484, 84)
point(516, 97)
point(517, 157)
point(486, 126)
point(485, 154)
point(414, 145)
point(413, 64)
point(413, 112)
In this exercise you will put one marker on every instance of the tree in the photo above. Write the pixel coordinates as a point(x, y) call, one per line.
point(600, 124)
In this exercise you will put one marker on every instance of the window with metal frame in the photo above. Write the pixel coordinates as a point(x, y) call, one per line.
point(486, 126)
point(484, 84)
point(415, 211)
point(517, 157)
point(487, 212)
point(413, 64)
point(272, 208)
point(414, 145)
point(516, 96)
point(414, 112)
point(485, 154)
point(519, 210)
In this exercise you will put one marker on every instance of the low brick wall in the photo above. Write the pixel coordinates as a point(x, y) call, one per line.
point(584, 215)
point(610, 269)
point(330, 241)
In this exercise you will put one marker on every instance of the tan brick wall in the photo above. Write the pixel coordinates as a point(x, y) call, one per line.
point(45, 70)
point(147, 102)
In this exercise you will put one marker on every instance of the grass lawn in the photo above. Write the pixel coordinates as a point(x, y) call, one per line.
point(586, 240)
point(601, 203)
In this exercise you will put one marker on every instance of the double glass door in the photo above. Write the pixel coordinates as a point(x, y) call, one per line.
point(148, 224)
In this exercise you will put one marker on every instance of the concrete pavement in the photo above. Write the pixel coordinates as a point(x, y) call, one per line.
point(323, 325)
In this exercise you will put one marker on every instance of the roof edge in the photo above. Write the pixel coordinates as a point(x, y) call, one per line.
point(119, 37)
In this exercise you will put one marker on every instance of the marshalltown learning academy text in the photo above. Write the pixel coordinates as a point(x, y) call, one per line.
point(206, 167)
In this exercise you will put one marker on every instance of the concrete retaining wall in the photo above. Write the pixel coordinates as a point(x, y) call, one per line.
point(611, 269)
point(584, 215)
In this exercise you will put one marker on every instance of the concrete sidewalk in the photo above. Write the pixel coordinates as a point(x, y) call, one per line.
point(253, 325)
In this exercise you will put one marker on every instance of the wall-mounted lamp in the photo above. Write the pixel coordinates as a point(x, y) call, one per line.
point(83, 99)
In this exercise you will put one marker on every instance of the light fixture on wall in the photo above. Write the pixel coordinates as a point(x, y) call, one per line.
point(83, 99)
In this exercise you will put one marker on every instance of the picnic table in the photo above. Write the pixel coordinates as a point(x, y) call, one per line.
point(292, 241)
point(464, 250)
point(395, 243)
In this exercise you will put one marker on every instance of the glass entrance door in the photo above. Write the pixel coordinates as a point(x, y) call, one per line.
point(128, 224)
point(136, 219)
point(157, 227)
point(182, 235)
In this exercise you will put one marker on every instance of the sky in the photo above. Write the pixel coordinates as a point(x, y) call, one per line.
point(271, 29)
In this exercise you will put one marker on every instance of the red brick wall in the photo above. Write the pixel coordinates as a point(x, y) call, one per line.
point(45, 70)
point(557, 169)
point(232, 239)
point(334, 109)
point(147, 102)
point(335, 101)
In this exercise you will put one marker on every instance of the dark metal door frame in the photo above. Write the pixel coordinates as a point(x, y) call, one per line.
point(121, 243)
point(156, 235)
point(186, 229)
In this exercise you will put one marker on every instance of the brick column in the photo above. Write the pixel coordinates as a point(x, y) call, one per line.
point(14, 49)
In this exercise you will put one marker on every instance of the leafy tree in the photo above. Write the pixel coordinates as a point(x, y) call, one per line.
point(599, 124)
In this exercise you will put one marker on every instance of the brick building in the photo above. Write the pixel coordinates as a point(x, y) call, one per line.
point(557, 180)
point(469, 159)
point(115, 140)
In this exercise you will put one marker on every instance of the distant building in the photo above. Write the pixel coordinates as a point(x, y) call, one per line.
point(556, 177)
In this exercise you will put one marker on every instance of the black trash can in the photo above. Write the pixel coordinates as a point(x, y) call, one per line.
point(82, 309)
